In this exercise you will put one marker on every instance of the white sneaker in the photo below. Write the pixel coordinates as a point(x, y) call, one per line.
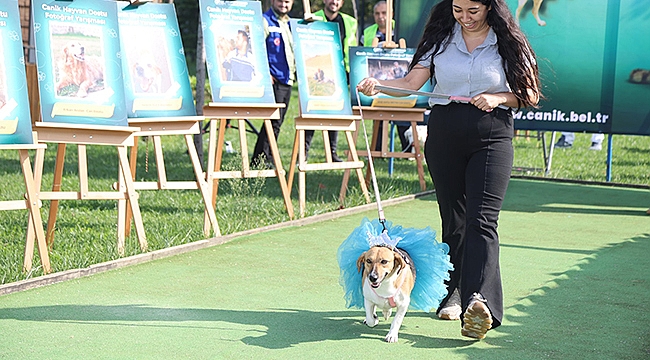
point(596, 146)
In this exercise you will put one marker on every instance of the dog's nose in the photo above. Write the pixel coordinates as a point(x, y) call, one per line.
point(373, 277)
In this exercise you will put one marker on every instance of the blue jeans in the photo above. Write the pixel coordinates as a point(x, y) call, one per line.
point(469, 153)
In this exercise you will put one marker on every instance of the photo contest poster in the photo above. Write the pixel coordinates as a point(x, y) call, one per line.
point(593, 61)
point(233, 37)
point(384, 64)
point(156, 80)
point(322, 81)
point(15, 121)
point(78, 60)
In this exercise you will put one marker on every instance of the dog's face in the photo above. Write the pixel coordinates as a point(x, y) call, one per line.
point(378, 263)
point(74, 51)
point(147, 74)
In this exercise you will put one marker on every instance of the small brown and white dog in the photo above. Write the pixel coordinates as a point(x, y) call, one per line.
point(388, 279)
point(147, 76)
point(86, 72)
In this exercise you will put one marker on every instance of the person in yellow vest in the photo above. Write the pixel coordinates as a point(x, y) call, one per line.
point(378, 29)
point(348, 30)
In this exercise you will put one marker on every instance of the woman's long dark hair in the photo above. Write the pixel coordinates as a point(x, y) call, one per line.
point(518, 56)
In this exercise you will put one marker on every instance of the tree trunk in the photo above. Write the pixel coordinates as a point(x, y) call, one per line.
point(200, 87)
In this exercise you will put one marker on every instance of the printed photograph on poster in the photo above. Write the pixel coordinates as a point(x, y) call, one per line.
point(156, 79)
point(15, 120)
point(233, 36)
point(322, 80)
point(145, 51)
point(236, 60)
point(78, 61)
point(78, 52)
point(3, 76)
point(319, 62)
point(384, 64)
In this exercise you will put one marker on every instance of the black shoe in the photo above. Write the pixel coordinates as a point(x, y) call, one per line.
point(562, 143)
point(335, 158)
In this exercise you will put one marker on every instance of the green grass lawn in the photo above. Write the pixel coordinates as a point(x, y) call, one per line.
point(86, 230)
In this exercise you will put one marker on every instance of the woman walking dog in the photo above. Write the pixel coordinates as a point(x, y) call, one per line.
point(471, 48)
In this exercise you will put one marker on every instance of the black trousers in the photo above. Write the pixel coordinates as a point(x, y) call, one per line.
point(469, 153)
point(282, 94)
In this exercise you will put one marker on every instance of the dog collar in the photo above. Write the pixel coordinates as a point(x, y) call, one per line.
point(391, 299)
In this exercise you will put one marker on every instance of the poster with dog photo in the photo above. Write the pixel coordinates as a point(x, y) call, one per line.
point(322, 81)
point(233, 35)
point(384, 64)
point(78, 59)
point(156, 80)
point(15, 121)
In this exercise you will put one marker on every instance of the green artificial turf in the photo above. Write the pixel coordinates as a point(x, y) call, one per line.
point(574, 261)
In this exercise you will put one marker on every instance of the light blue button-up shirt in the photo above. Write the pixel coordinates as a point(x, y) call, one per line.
point(461, 73)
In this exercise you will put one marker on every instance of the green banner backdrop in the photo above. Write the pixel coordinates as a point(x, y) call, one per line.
point(594, 59)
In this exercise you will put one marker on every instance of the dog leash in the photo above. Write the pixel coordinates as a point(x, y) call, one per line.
point(380, 209)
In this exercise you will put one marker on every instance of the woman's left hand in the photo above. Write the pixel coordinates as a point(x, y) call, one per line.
point(487, 102)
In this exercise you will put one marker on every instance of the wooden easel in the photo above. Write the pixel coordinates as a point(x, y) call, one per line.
point(180, 125)
point(386, 115)
point(325, 123)
point(32, 203)
point(218, 113)
point(82, 135)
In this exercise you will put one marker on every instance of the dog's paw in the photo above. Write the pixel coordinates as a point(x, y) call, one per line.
point(371, 322)
point(387, 313)
point(391, 338)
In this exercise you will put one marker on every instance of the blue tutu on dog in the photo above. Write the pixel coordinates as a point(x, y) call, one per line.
point(430, 258)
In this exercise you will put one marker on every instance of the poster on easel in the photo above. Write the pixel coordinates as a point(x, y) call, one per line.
point(322, 81)
point(233, 35)
point(384, 64)
point(156, 80)
point(15, 121)
point(78, 60)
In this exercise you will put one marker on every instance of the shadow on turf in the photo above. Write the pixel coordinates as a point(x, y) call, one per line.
point(284, 327)
point(595, 310)
point(556, 197)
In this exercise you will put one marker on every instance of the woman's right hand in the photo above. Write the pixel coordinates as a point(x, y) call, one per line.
point(367, 86)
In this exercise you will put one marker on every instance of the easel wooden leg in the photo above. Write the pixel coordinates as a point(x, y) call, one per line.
point(302, 197)
point(30, 237)
point(294, 158)
point(355, 157)
point(132, 196)
point(215, 154)
point(133, 162)
point(203, 187)
point(418, 155)
point(279, 170)
point(56, 186)
point(35, 223)
point(123, 214)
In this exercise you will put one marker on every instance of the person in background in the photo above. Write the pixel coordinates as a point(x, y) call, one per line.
point(348, 31)
point(279, 49)
point(474, 49)
point(566, 141)
point(239, 63)
point(378, 29)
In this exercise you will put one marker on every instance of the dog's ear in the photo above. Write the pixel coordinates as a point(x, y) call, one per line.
point(360, 261)
point(399, 262)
